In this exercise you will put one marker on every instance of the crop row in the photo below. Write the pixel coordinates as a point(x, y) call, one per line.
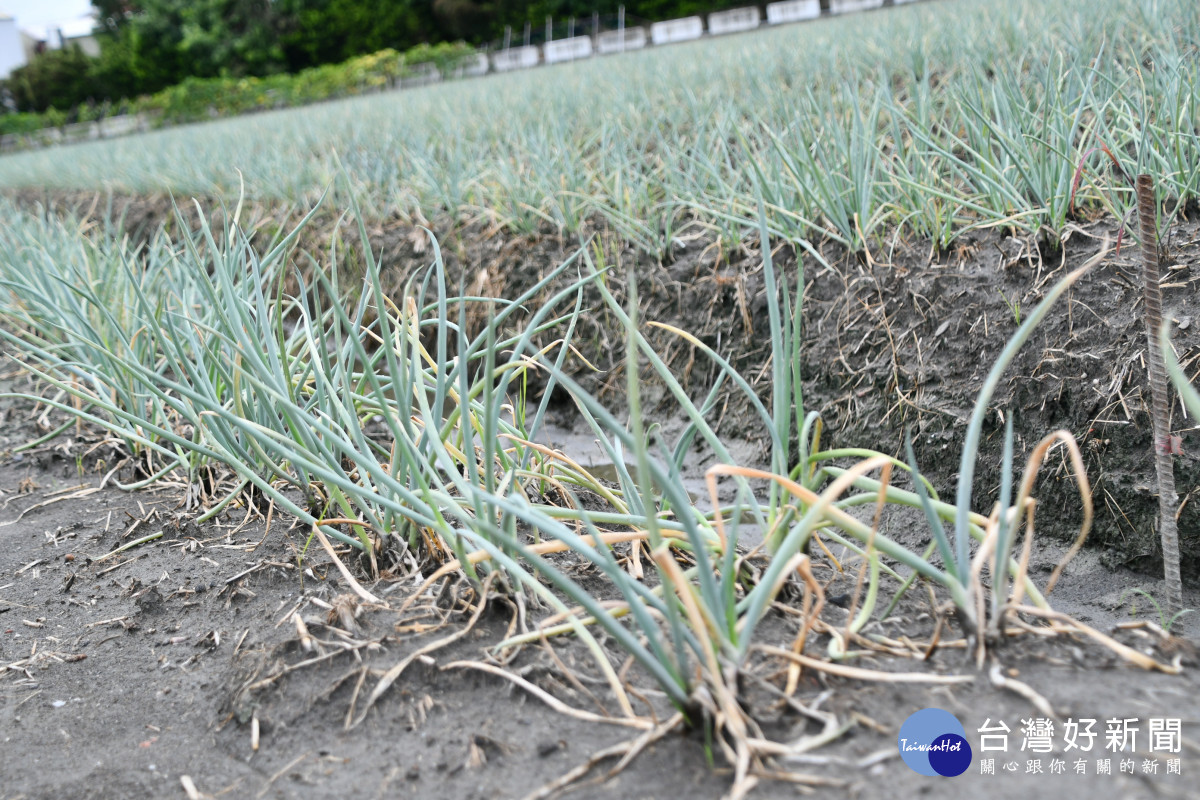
point(950, 117)
point(394, 428)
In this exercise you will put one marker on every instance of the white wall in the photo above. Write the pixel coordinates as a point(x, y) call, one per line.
point(846, 6)
point(568, 49)
point(793, 11)
point(677, 30)
point(87, 44)
point(620, 41)
point(515, 58)
point(734, 20)
point(12, 54)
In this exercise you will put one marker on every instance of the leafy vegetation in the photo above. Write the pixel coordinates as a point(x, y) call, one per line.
point(402, 429)
point(400, 425)
point(204, 98)
point(951, 117)
point(151, 45)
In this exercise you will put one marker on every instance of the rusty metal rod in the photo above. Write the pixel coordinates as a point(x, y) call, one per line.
point(1160, 403)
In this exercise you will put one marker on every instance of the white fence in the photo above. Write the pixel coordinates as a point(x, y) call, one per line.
point(568, 49)
point(734, 20)
point(846, 6)
point(515, 58)
point(123, 124)
point(107, 128)
point(620, 41)
point(677, 30)
point(793, 11)
point(472, 67)
point(422, 75)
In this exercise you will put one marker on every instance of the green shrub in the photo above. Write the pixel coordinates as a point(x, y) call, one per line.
point(203, 98)
point(21, 123)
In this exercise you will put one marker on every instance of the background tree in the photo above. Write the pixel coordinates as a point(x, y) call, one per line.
point(57, 78)
point(313, 32)
point(465, 19)
point(148, 45)
point(169, 40)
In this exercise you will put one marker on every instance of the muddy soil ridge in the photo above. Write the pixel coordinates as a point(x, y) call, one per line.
point(898, 338)
point(121, 676)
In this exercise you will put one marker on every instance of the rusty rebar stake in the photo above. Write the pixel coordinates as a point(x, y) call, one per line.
point(1160, 403)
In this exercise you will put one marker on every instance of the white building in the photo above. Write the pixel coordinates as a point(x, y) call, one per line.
point(67, 33)
point(12, 53)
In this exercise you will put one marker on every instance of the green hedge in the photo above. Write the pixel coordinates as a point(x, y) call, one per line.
point(25, 123)
point(204, 98)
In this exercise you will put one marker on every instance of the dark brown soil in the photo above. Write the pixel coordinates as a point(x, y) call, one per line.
point(122, 675)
